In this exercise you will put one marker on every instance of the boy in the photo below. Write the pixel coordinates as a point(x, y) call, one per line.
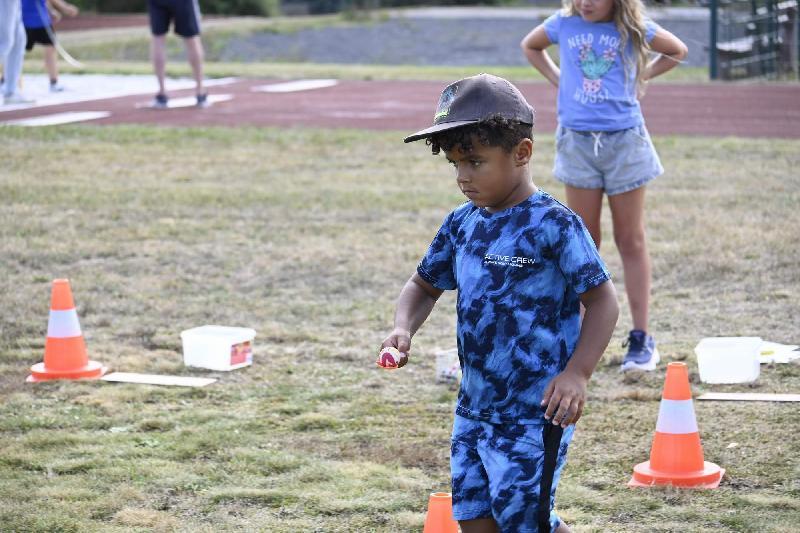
point(522, 264)
point(186, 16)
point(39, 29)
point(12, 51)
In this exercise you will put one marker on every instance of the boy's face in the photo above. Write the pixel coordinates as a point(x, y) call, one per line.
point(491, 177)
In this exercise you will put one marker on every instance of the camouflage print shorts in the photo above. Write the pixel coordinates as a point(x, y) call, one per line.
point(500, 470)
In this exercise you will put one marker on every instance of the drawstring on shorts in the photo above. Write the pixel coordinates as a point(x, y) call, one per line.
point(597, 142)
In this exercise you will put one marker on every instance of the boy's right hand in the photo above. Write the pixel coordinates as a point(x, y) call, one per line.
point(70, 10)
point(400, 339)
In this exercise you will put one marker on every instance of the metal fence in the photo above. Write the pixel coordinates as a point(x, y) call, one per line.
point(754, 38)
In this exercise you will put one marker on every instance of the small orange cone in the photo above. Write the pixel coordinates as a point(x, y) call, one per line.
point(676, 457)
point(64, 350)
point(440, 514)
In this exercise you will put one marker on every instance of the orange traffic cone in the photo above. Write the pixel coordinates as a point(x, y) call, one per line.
point(676, 457)
point(440, 514)
point(64, 350)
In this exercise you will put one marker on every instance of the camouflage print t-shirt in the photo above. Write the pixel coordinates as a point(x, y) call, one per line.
point(518, 273)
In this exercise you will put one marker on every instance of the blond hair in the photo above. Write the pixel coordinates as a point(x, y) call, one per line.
point(629, 19)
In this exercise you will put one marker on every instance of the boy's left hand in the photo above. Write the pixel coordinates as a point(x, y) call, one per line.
point(564, 397)
point(71, 10)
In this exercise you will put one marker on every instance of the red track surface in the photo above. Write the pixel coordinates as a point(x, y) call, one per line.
point(707, 109)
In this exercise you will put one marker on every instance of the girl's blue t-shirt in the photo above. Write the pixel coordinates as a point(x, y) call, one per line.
point(32, 13)
point(594, 93)
point(518, 273)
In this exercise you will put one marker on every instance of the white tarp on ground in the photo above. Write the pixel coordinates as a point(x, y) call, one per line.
point(88, 87)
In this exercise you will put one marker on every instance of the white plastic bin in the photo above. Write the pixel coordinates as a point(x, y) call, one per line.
point(728, 359)
point(218, 347)
point(448, 369)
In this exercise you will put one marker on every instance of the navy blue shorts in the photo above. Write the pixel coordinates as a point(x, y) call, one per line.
point(185, 13)
point(38, 36)
point(508, 472)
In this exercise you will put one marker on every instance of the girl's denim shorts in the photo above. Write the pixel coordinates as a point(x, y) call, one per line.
point(615, 161)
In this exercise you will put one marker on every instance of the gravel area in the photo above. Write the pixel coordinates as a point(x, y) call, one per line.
point(420, 37)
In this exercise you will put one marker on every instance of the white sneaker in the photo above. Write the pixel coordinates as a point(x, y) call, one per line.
point(57, 88)
point(17, 98)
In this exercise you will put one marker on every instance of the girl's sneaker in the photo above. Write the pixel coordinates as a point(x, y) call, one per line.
point(642, 353)
point(56, 87)
point(203, 101)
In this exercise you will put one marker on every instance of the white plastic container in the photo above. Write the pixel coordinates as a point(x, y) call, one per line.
point(728, 359)
point(448, 369)
point(218, 347)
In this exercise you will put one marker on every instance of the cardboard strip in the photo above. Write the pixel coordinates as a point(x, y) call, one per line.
point(155, 379)
point(750, 397)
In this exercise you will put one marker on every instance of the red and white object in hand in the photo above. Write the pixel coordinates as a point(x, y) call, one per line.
point(389, 358)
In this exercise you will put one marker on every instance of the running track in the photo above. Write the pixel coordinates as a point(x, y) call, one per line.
point(749, 110)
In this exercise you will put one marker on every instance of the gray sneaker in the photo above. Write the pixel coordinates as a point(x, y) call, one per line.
point(642, 353)
point(17, 98)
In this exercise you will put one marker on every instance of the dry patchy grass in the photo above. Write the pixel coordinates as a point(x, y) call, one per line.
point(307, 236)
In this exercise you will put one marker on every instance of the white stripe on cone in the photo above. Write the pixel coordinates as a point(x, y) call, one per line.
point(63, 324)
point(677, 417)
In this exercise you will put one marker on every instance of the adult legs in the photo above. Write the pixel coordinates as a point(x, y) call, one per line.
point(194, 51)
point(51, 63)
point(588, 204)
point(627, 214)
point(8, 20)
point(159, 56)
point(12, 45)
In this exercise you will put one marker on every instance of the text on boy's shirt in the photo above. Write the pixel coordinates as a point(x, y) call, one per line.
point(507, 260)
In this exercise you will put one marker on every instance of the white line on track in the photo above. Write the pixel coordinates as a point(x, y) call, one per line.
point(292, 86)
point(58, 118)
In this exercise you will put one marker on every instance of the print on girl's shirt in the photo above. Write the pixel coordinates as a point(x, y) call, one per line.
point(593, 65)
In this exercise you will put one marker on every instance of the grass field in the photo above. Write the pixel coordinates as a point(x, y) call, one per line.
point(307, 236)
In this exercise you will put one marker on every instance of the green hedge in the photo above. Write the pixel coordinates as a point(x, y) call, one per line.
point(266, 8)
point(271, 8)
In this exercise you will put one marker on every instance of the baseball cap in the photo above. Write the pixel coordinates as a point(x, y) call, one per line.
point(473, 99)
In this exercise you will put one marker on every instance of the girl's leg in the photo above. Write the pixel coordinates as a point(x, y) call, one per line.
point(51, 63)
point(479, 525)
point(588, 204)
point(627, 214)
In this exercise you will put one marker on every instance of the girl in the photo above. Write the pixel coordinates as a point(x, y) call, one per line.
point(601, 143)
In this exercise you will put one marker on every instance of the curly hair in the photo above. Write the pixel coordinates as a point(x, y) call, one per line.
point(494, 131)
